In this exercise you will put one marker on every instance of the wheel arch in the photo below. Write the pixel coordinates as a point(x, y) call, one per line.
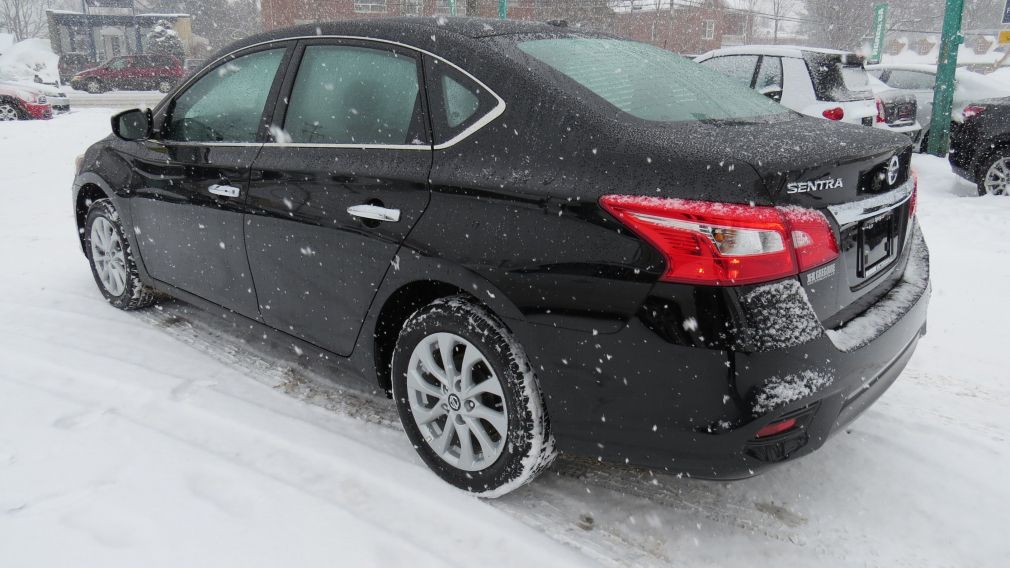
point(88, 189)
point(403, 297)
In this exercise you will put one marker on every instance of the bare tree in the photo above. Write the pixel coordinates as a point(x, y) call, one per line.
point(780, 9)
point(23, 18)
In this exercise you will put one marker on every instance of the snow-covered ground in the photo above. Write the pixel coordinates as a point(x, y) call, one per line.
point(158, 439)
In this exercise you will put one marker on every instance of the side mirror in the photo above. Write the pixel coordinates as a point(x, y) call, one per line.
point(133, 124)
point(773, 92)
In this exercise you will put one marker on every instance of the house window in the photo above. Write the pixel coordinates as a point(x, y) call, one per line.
point(708, 31)
point(370, 6)
point(444, 7)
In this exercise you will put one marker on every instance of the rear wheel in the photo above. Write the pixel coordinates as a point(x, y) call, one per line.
point(93, 86)
point(469, 400)
point(164, 85)
point(995, 170)
point(112, 261)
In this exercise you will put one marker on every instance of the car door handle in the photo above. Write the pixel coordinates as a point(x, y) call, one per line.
point(374, 212)
point(224, 190)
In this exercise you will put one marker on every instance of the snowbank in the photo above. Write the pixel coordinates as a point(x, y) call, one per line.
point(28, 59)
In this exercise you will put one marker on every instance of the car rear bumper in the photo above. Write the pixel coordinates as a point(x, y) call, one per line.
point(655, 395)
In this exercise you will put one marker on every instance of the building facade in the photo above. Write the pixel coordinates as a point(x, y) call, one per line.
point(108, 28)
point(683, 28)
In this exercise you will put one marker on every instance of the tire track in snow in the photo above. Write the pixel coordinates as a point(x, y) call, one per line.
point(272, 366)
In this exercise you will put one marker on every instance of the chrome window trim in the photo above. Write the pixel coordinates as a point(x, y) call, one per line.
point(491, 115)
point(855, 211)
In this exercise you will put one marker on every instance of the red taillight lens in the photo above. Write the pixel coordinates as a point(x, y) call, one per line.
point(812, 237)
point(836, 113)
point(776, 428)
point(972, 111)
point(913, 202)
point(723, 244)
point(880, 111)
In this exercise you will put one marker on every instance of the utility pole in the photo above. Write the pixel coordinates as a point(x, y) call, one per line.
point(946, 69)
point(503, 9)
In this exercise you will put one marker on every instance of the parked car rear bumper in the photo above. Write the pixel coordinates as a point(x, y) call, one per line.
point(644, 396)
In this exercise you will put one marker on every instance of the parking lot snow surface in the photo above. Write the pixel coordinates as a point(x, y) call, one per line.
point(157, 439)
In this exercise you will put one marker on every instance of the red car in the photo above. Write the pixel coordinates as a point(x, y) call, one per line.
point(131, 72)
point(20, 102)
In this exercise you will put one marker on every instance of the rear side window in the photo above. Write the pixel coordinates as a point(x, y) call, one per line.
point(226, 104)
point(740, 68)
point(355, 95)
point(459, 104)
point(650, 83)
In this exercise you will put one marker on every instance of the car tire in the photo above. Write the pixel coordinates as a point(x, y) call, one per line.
point(995, 164)
point(165, 86)
point(94, 86)
point(10, 111)
point(111, 258)
point(500, 391)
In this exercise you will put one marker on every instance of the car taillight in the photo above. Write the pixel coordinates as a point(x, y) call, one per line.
point(971, 111)
point(836, 113)
point(913, 202)
point(724, 244)
point(880, 111)
point(776, 428)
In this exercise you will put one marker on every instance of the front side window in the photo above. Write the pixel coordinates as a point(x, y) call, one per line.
point(739, 68)
point(355, 95)
point(226, 104)
point(649, 83)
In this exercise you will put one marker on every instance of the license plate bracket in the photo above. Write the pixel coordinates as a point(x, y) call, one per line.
point(877, 242)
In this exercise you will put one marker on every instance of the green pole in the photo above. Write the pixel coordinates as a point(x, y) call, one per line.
point(452, 7)
point(503, 9)
point(943, 92)
point(879, 31)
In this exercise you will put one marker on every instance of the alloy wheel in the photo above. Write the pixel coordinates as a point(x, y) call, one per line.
point(457, 401)
point(997, 178)
point(93, 87)
point(164, 86)
point(8, 112)
point(108, 256)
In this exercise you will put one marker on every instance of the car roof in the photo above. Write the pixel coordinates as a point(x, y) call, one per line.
point(417, 31)
point(778, 50)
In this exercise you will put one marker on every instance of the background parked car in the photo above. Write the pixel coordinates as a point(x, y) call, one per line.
point(896, 110)
point(192, 65)
point(980, 146)
point(919, 80)
point(131, 72)
point(21, 102)
point(72, 64)
point(823, 83)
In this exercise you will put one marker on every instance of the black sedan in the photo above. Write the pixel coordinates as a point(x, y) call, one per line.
point(534, 238)
point(980, 146)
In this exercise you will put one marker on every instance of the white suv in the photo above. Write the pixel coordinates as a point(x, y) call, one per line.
point(824, 83)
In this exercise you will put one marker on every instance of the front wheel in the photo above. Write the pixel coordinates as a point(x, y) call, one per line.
point(164, 86)
point(995, 178)
point(9, 112)
point(469, 400)
point(112, 261)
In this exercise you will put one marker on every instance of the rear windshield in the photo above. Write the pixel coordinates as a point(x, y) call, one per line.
point(650, 83)
point(837, 77)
